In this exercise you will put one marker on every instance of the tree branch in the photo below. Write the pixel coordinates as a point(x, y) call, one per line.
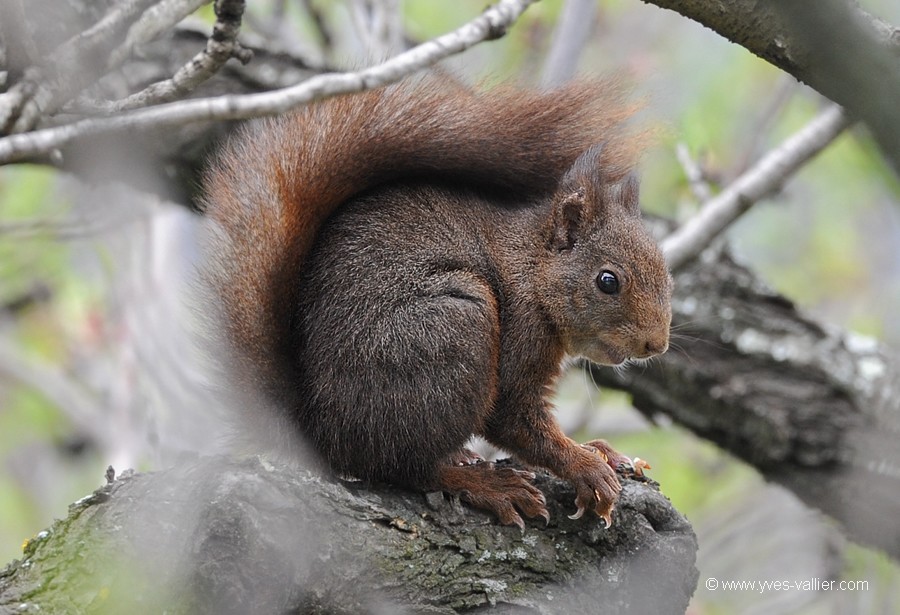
point(572, 33)
point(71, 67)
point(489, 25)
point(694, 174)
point(221, 46)
point(832, 45)
point(221, 536)
point(762, 179)
point(813, 408)
point(155, 22)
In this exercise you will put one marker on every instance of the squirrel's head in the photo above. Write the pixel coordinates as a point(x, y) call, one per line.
point(609, 287)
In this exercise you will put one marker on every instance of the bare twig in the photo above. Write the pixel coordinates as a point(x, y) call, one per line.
point(104, 34)
point(491, 24)
point(13, 102)
point(762, 179)
point(277, 34)
point(569, 39)
point(758, 127)
point(831, 45)
point(21, 51)
point(325, 34)
point(71, 67)
point(693, 172)
point(379, 25)
point(221, 46)
point(155, 21)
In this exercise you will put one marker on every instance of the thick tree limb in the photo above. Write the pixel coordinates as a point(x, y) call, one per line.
point(219, 536)
point(833, 46)
point(815, 409)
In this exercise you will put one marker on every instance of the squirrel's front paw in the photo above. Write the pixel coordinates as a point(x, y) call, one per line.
point(596, 485)
point(594, 476)
point(633, 468)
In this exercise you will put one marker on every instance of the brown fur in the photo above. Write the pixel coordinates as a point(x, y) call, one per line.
point(406, 267)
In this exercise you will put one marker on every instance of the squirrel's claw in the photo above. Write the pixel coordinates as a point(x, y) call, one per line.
point(578, 513)
point(607, 518)
point(514, 519)
point(545, 515)
point(594, 476)
point(640, 465)
point(604, 513)
point(603, 510)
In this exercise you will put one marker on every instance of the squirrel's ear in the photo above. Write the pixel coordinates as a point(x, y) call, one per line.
point(568, 212)
point(627, 193)
point(611, 189)
point(586, 169)
point(621, 197)
point(570, 202)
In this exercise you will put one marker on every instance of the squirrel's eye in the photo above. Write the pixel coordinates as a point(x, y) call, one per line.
point(608, 283)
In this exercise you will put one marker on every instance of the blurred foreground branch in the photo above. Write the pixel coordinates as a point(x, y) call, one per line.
point(491, 24)
point(220, 536)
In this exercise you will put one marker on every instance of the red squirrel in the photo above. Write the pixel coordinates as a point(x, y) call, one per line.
point(403, 268)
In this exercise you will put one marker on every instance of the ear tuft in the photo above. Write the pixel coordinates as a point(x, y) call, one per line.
point(568, 214)
point(622, 196)
point(586, 168)
point(629, 194)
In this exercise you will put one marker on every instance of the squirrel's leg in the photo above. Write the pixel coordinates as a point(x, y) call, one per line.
point(461, 314)
point(528, 429)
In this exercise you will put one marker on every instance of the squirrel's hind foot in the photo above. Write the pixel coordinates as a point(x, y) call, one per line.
point(465, 457)
point(502, 491)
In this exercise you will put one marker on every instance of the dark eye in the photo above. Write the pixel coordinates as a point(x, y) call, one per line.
point(608, 283)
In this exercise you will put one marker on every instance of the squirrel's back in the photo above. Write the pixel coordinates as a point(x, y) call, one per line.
point(273, 185)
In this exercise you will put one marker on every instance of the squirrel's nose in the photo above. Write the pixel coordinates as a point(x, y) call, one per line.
point(656, 346)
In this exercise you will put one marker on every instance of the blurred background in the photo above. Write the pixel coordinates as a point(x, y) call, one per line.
point(102, 361)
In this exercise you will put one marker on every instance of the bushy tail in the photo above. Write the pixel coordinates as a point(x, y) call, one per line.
point(273, 185)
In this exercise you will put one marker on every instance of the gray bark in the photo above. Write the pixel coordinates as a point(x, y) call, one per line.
point(221, 536)
point(814, 408)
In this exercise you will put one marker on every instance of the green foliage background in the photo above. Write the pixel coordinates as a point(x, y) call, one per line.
point(829, 241)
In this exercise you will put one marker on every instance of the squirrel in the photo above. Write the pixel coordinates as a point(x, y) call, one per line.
point(401, 269)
